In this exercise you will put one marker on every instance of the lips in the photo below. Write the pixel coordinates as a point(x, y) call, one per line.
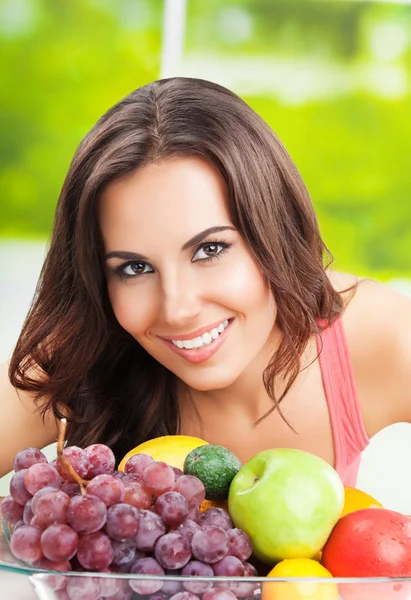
point(194, 334)
point(201, 340)
point(204, 353)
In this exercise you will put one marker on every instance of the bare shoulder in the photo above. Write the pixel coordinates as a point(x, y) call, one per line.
point(377, 321)
point(21, 424)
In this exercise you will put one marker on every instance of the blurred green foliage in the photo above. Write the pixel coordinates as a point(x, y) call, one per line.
point(65, 63)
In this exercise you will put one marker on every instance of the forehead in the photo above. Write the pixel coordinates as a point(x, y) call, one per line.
point(181, 196)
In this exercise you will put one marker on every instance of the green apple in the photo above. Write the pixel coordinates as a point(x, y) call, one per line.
point(288, 501)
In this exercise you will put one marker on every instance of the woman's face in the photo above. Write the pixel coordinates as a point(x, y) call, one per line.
point(180, 278)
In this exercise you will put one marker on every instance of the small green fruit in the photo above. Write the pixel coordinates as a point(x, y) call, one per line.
point(215, 466)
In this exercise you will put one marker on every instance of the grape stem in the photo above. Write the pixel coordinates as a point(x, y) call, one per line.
point(66, 463)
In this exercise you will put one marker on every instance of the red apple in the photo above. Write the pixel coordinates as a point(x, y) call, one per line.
point(371, 542)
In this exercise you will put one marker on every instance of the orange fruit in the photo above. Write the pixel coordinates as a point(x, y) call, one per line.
point(206, 504)
point(171, 449)
point(356, 499)
point(291, 568)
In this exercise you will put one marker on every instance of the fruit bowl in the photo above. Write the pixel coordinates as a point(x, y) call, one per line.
point(23, 582)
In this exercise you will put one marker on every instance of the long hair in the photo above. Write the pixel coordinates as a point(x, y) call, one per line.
point(72, 353)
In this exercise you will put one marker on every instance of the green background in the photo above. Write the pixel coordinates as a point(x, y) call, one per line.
point(331, 78)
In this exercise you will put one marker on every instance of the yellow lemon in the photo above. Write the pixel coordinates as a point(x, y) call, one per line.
point(171, 449)
point(357, 499)
point(299, 590)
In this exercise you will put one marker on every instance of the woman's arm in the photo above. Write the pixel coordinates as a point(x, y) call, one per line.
point(21, 424)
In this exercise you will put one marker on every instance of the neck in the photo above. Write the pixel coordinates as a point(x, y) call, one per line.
point(247, 395)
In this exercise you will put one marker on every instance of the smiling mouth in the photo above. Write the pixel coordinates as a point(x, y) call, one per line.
point(201, 353)
point(202, 340)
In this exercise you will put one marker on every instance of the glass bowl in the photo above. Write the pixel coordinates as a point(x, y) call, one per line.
point(19, 581)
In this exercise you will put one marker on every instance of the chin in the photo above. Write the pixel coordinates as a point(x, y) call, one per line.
point(209, 384)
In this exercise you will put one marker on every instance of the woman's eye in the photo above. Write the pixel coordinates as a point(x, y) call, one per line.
point(210, 250)
point(135, 268)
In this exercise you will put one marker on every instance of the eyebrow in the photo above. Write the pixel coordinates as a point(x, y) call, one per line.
point(194, 241)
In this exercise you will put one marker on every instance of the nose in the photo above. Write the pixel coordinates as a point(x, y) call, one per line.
point(181, 302)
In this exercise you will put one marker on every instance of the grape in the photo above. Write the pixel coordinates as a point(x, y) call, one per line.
point(219, 594)
point(240, 544)
point(172, 550)
point(184, 596)
point(55, 582)
point(107, 488)
point(191, 488)
point(122, 522)
point(119, 475)
point(83, 588)
point(132, 478)
point(194, 513)
point(25, 543)
point(244, 589)
point(187, 528)
point(124, 593)
point(28, 514)
point(199, 569)
point(18, 489)
point(177, 472)
point(158, 478)
point(109, 586)
point(59, 542)
point(51, 508)
point(101, 460)
point(172, 508)
point(41, 475)
point(62, 595)
point(171, 587)
point(86, 514)
point(218, 517)
point(71, 489)
point(25, 458)
point(136, 495)
point(137, 463)
point(39, 494)
point(124, 552)
point(146, 566)
point(210, 544)
point(11, 510)
point(95, 551)
point(229, 566)
point(78, 459)
point(151, 528)
point(159, 595)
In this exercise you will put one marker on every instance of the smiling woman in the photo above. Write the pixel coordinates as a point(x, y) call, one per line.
point(194, 288)
point(187, 290)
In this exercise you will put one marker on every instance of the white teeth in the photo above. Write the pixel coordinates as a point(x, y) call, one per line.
point(202, 340)
point(214, 333)
point(206, 337)
point(198, 342)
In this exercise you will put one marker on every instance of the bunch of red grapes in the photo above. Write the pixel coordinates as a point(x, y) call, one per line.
point(145, 520)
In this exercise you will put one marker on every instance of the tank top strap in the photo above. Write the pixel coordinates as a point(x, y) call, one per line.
point(350, 437)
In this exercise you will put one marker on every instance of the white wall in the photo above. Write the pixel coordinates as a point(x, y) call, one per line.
point(384, 472)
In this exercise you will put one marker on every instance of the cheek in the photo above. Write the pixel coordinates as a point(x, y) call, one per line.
point(131, 310)
point(244, 287)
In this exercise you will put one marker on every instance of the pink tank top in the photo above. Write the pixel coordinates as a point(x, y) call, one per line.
point(350, 437)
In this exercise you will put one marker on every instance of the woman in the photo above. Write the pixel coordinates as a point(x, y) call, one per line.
point(185, 291)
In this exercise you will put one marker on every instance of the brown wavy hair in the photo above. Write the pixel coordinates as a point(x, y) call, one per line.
point(72, 353)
